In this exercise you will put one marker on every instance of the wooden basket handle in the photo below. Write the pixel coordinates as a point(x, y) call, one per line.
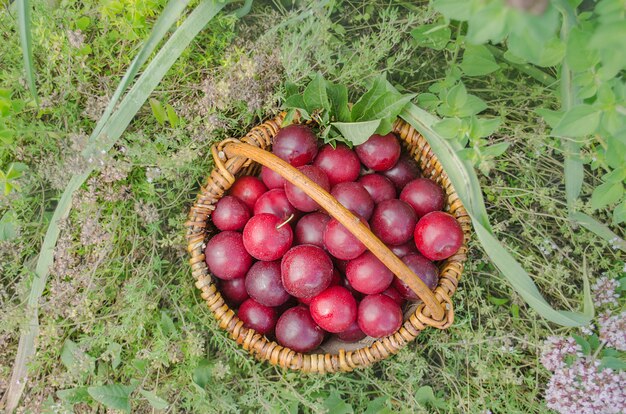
point(234, 148)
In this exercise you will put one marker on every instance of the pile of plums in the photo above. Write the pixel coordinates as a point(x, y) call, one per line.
point(296, 273)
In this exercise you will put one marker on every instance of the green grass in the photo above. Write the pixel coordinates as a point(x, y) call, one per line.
point(121, 289)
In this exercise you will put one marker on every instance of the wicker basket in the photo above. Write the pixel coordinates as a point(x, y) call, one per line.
point(235, 158)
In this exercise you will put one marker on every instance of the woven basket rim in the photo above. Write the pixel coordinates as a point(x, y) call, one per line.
point(219, 181)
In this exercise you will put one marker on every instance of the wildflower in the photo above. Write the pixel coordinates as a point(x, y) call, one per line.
point(584, 389)
point(613, 330)
point(556, 348)
point(147, 212)
point(604, 291)
point(152, 174)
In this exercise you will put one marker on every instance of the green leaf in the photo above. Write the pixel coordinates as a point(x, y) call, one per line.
point(457, 96)
point(428, 100)
point(466, 184)
point(366, 100)
point(488, 23)
point(448, 127)
point(613, 363)
point(619, 215)
point(154, 400)
point(104, 136)
point(114, 396)
point(158, 111)
point(387, 106)
point(495, 150)
point(378, 406)
point(584, 345)
point(74, 395)
point(167, 324)
point(202, 374)
point(435, 36)
point(600, 229)
point(453, 9)
point(578, 55)
point(24, 26)
point(579, 121)
point(315, 96)
point(425, 396)
point(478, 61)
point(8, 226)
point(73, 358)
point(172, 117)
point(498, 301)
point(334, 404)
point(551, 117)
point(357, 132)
point(338, 95)
point(605, 194)
point(115, 350)
point(545, 54)
point(83, 22)
point(484, 127)
point(294, 101)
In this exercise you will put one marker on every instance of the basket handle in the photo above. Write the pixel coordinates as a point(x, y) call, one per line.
point(234, 148)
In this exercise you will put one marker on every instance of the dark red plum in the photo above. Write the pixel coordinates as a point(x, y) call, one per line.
point(297, 330)
point(379, 187)
point(423, 195)
point(438, 235)
point(340, 164)
point(230, 214)
point(379, 152)
point(264, 284)
point(306, 271)
point(226, 256)
point(393, 222)
point(266, 237)
point(355, 198)
point(296, 144)
point(248, 189)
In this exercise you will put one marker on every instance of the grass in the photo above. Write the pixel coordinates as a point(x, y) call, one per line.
point(120, 288)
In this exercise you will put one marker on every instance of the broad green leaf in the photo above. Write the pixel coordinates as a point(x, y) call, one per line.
point(579, 121)
point(549, 53)
point(294, 101)
point(448, 127)
point(158, 111)
point(484, 127)
point(114, 396)
point(425, 396)
point(551, 117)
point(488, 23)
point(75, 359)
point(457, 96)
point(378, 406)
point(478, 61)
point(334, 404)
point(428, 100)
point(357, 132)
point(584, 344)
point(599, 229)
point(24, 26)
point(8, 226)
point(613, 363)
point(115, 350)
point(453, 9)
point(619, 214)
point(377, 90)
point(387, 106)
point(495, 150)
point(315, 96)
point(465, 182)
point(107, 132)
point(605, 194)
point(167, 324)
point(154, 400)
point(74, 395)
point(498, 301)
point(435, 36)
point(202, 373)
point(579, 56)
point(172, 117)
point(338, 95)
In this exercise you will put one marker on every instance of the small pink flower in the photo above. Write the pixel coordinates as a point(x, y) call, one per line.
point(604, 291)
point(613, 330)
point(555, 349)
point(584, 389)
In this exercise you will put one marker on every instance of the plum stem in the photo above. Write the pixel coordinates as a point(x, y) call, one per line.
point(285, 222)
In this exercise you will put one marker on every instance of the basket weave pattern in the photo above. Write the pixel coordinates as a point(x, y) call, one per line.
point(199, 231)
